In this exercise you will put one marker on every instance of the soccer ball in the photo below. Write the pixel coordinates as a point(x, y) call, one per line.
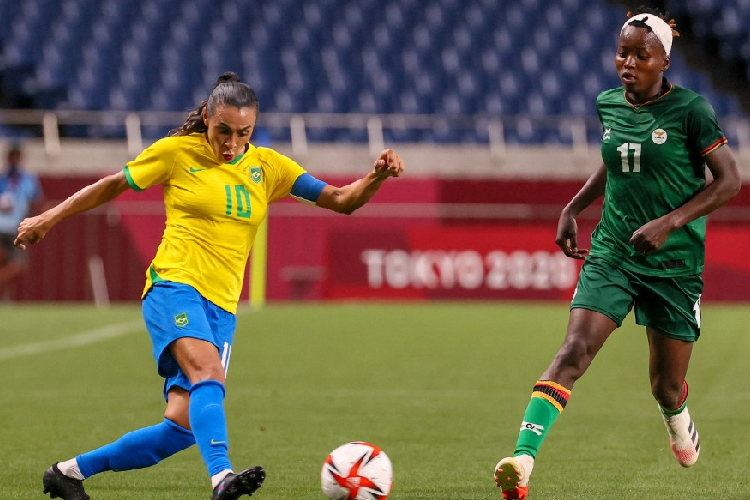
point(357, 471)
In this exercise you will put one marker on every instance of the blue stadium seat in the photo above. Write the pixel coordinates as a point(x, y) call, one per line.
point(372, 56)
point(401, 135)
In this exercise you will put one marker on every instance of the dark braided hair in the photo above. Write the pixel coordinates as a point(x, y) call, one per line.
point(654, 12)
point(230, 91)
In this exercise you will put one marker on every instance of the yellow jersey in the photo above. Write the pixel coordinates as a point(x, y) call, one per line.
point(213, 211)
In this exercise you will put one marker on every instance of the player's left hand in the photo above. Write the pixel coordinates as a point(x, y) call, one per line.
point(651, 236)
point(31, 231)
point(388, 164)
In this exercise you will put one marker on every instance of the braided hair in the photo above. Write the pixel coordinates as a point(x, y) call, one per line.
point(654, 12)
point(229, 90)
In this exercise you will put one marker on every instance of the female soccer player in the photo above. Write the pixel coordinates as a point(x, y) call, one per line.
point(647, 251)
point(217, 187)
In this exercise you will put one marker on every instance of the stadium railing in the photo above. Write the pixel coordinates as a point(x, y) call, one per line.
point(497, 145)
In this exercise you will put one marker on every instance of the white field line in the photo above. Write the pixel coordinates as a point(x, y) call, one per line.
point(78, 340)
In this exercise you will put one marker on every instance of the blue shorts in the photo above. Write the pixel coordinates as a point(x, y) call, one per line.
point(175, 310)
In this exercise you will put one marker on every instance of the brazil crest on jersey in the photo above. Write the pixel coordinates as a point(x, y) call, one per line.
point(655, 159)
point(213, 211)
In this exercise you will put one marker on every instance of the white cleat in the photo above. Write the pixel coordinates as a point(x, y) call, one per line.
point(683, 437)
point(512, 476)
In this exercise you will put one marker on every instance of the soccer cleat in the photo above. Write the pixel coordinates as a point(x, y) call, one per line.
point(683, 437)
point(512, 476)
point(58, 485)
point(234, 486)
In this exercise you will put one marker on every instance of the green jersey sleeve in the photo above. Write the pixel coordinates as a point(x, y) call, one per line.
point(702, 126)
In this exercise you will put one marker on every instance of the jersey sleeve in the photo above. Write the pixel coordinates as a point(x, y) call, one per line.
point(284, 173)
point(153, 166)
point(703, 130)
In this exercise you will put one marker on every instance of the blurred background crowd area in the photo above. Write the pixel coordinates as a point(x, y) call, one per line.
point(530, 65)
point(490, 102)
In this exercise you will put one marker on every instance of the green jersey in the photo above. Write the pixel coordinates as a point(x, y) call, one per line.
point(655, 159)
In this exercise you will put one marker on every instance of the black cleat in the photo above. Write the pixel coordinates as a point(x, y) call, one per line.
point(235, 485)
point(58, 485)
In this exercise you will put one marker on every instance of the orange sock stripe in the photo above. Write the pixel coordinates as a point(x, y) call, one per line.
point(555, 393)
point(549, 399)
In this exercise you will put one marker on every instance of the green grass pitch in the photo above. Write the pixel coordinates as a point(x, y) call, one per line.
point(440, 387)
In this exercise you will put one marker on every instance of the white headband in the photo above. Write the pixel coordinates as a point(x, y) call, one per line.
point(660, 28)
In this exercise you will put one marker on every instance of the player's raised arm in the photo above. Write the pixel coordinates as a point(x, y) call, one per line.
point(33, 229)
point(349, 198)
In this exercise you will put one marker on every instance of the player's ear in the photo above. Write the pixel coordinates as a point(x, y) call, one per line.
point(667, 61)
point(205, 115)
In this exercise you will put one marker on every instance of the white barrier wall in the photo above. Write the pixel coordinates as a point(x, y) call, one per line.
point(91, 157)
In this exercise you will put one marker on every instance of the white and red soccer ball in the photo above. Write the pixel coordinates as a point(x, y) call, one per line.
point(357, 471)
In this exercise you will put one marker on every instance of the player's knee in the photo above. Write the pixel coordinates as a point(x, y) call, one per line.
point(178, 405)
point(198, 359)
point(668, 393)
point(179, 416)
point(207, 372)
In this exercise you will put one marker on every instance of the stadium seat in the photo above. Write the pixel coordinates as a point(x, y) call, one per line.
point(370, 56)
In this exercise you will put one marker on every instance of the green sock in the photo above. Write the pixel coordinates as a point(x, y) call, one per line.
point(548, 400)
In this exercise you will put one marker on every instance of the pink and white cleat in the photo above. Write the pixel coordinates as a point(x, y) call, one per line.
point(683, 437)
point(512, 476)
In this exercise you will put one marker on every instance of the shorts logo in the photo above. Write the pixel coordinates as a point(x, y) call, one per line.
point(181, 320)
point(659, 136)
point(536, 429)
point(255, 174)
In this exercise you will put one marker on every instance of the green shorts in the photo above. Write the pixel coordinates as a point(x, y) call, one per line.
point(670, 305)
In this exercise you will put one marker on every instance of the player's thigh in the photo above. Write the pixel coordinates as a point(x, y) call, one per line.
point(604, 288)
point(671, 306)
point(223, 325)
point(173, 311)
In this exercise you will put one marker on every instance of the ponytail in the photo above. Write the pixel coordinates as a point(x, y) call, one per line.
point(194, 123)
point(229, 90)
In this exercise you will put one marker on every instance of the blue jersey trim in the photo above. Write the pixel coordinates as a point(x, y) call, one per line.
point(308, 187)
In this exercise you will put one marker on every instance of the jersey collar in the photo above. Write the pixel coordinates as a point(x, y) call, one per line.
point(666, 88)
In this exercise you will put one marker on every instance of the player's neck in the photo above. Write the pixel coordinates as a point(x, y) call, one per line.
point(640, 100)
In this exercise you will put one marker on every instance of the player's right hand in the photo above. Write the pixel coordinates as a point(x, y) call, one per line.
point(31, 231)
point(389, 164)
point(567, 237)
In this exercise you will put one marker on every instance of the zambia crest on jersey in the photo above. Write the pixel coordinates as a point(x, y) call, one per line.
point(659, 136)
point(255, 174)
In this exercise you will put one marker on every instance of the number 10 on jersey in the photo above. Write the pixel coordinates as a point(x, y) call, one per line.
point(242, 195)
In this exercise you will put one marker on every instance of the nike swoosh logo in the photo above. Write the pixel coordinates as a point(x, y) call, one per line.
point(218, 442)
point(194, 170)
